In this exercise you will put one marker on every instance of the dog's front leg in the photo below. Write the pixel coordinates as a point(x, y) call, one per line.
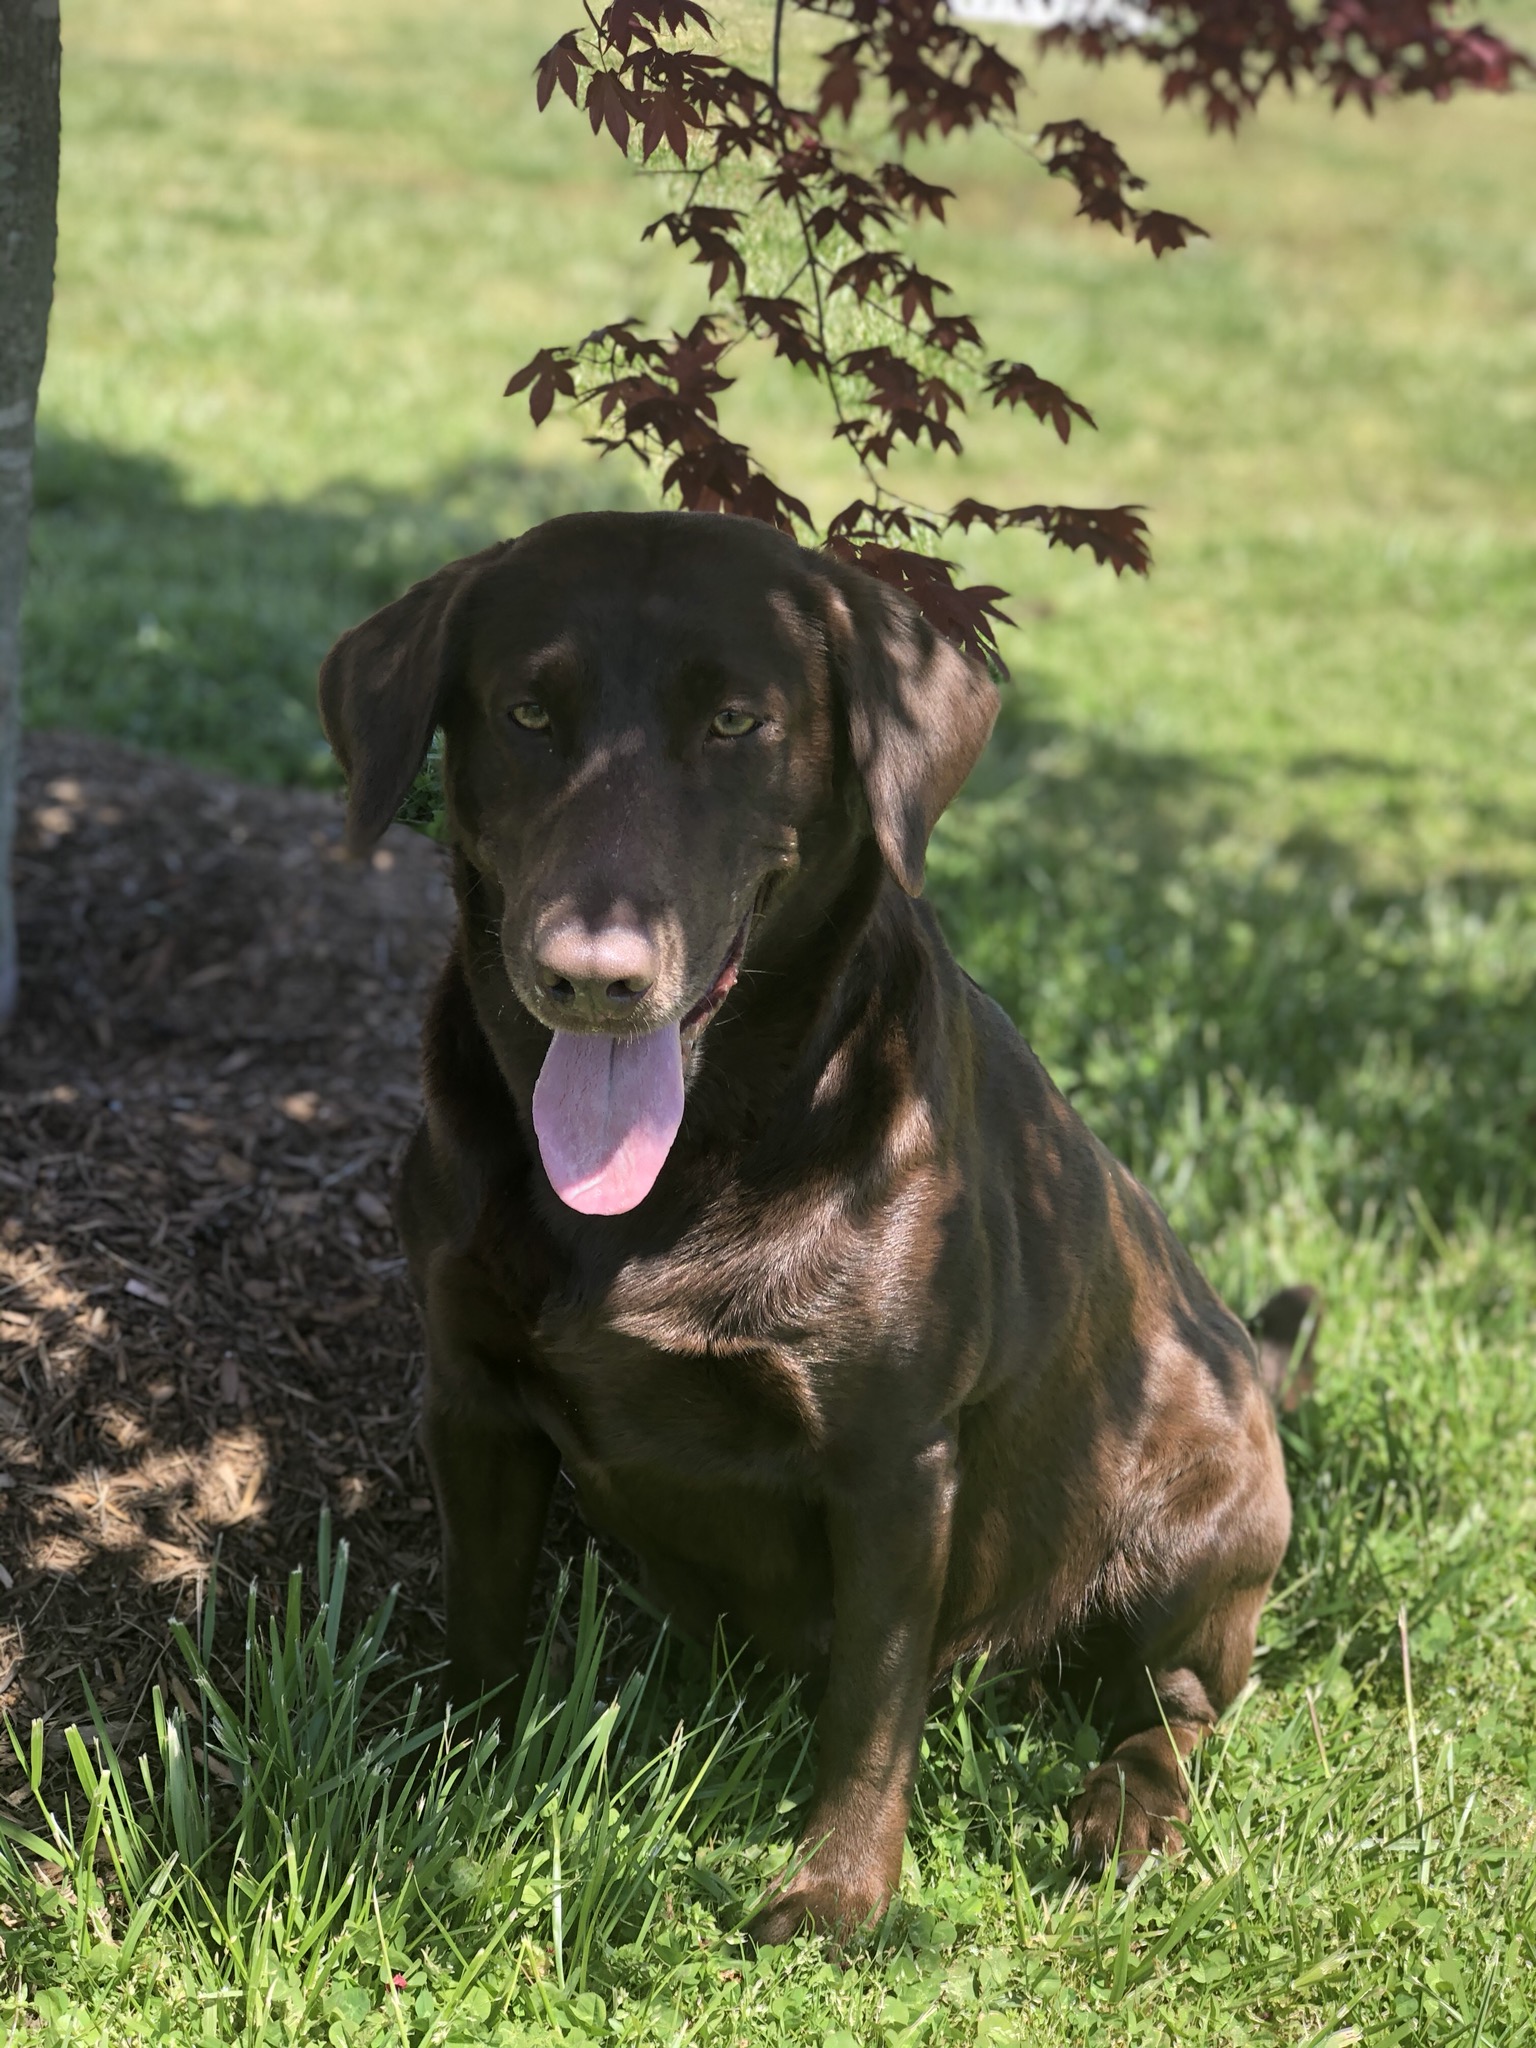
point(493, 1473)
point(889, 1533)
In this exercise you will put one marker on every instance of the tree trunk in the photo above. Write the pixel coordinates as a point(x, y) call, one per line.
point(29, 192)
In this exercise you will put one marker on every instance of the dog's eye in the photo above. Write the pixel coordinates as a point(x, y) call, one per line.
point(731, 724)
point(531, 717)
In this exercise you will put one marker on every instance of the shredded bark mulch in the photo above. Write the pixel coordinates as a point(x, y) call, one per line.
point(205, 1329)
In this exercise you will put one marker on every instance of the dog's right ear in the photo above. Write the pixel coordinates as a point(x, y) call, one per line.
point(383, 687)
point(919, 712)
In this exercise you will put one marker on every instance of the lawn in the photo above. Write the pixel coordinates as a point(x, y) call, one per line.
point(1252, 860)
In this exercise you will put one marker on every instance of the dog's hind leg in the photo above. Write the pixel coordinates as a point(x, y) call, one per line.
point(1133, 1802)
point(1172, 1658)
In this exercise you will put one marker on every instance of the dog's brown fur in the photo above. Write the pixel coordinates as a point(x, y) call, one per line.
point(894, 1360)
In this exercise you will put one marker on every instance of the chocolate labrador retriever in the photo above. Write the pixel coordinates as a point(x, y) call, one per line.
point(735, 1198)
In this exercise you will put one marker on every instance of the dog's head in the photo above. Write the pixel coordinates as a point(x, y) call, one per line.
point(655, 725)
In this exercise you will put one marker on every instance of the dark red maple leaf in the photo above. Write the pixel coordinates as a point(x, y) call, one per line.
point(1162, 231)
point(551, 371)
point(1018, 384)
point(561, 66)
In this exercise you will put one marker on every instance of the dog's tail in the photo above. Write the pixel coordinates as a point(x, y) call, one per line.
point(1285, 1331)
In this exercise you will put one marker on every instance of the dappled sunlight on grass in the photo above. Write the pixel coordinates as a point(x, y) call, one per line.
point(1231, 1015)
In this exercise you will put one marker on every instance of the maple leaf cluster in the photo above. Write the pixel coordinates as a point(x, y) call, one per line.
point(1226, 54)
point(648, 73)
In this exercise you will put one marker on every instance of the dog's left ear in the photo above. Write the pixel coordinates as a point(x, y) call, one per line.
point(382, 691)
point(919, 713)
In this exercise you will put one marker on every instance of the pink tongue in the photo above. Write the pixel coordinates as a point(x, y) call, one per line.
point(606, 1111)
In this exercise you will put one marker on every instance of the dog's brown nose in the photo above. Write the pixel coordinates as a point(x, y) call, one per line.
point(596, 977)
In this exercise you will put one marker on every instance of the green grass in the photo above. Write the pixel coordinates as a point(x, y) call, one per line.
point(1251, 860)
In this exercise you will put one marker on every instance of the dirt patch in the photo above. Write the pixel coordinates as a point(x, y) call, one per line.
point(205, 1328)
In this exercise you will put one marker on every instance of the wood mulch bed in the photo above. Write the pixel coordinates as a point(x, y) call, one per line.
point(205, 1329)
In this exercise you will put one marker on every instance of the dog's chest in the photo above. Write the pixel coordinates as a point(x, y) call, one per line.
point(656, 1372)
point(741, 1351)
point(749, 1418)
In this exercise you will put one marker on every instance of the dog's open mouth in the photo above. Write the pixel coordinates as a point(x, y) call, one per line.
point(719, 988)
point(606, 1110)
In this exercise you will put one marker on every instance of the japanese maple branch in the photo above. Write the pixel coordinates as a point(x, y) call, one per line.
point(813, 265)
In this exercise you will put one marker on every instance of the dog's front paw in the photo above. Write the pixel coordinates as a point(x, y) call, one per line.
point(1123, 1815)
point(842, 1904)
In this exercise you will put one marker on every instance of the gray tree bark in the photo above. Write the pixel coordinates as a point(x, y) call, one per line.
point(29, 193)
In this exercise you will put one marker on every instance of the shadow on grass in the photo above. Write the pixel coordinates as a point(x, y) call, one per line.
point(195, 627)
point(1236, 1019)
